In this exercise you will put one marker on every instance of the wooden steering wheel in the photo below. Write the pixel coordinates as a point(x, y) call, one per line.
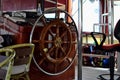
point(56, 44)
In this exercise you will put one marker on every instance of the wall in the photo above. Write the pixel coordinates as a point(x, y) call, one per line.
point(13, 5)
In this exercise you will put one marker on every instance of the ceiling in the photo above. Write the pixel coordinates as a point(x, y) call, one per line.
point(55, 3)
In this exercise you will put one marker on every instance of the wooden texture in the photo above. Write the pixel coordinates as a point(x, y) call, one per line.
point(36, 74)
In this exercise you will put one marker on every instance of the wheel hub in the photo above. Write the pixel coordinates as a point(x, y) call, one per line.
point(58, 42)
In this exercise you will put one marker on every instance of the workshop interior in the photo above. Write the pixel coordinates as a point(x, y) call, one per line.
point(59, 40)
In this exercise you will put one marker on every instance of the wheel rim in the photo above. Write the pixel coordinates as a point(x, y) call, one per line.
point(55, 45)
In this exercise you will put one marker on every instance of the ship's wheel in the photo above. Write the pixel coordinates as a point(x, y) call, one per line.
point(56, 42)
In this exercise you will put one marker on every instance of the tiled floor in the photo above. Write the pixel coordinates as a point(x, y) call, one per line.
point(91, 73)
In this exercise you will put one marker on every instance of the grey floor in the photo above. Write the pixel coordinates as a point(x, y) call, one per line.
point(91, 73)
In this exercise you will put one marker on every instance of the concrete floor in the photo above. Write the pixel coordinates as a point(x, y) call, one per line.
point(92, 73)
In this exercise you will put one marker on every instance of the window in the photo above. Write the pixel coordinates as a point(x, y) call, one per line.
point(116, 11)
point(90, 13)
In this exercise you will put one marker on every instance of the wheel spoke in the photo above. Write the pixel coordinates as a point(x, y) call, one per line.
point(56, 53)
point(41, 61)
point(66, 42)
point(50, 50)
point(57, 16)
point(63, 34)
point(64, 53)
point(35, 41)
point(56, 67)
point(48, 41)
point(57, 30)
point(74, 42)
point(52, 34)
point(69, 60)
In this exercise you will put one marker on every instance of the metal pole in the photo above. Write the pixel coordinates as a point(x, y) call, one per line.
point(1, 8)
point(112, 20)
point(80, 24)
